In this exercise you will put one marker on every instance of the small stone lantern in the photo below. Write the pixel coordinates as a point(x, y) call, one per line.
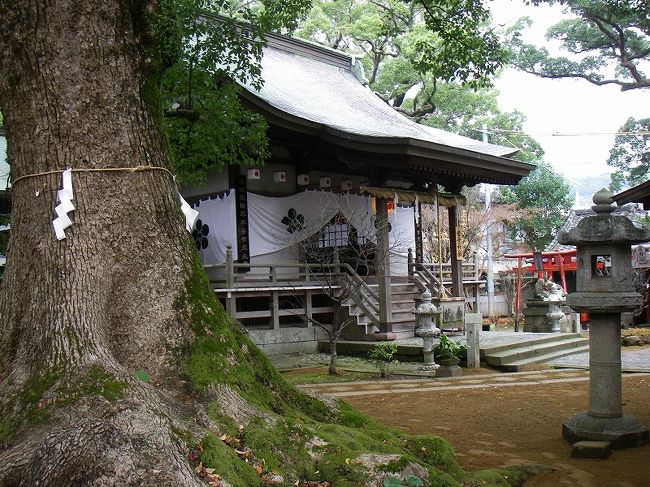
point(604, 290)
point(426, 328)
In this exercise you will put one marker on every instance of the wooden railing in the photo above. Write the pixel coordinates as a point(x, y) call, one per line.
point(331, 279)
point(360, 293)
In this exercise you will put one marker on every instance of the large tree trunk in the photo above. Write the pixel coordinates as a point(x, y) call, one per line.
point(84, 321)
point(99, 303)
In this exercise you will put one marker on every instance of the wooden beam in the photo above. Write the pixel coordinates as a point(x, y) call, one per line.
point(456, 262)
point(383, 266)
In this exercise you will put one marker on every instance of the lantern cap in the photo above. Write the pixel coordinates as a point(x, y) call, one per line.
point(603, 202)
point(603, 227)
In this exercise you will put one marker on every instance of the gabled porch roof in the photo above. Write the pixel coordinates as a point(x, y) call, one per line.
point(313, 90)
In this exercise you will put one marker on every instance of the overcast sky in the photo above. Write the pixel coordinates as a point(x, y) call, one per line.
point(565, 106)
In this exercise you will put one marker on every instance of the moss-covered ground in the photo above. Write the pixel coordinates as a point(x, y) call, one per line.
point(301, 441)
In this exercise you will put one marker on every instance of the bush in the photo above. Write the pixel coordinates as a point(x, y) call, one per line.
point(382, 353)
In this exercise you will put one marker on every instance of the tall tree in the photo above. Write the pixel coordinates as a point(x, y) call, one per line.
point(117, 364)
point(630, 154)
point(410, 44)
point(608, 42)
point(543, 200)
point(469, 112)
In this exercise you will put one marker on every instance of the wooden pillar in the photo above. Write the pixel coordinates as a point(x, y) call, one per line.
point(382, 258)
point(419, 239)
point(456, 262)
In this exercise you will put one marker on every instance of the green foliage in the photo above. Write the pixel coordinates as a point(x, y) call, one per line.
point(598, 35)
point(195, 51)
point(465, 112)
point(382, 353)
point(630, 155)
point(448, 348)
point(408, 44)
point(541, 202)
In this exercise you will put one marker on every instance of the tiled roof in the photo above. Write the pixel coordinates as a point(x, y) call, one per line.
point(328, 94)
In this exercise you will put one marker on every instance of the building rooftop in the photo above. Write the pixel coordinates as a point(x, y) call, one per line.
point(320, 90)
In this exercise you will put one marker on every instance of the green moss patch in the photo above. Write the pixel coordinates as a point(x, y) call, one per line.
point(307, 442)
point(227, 463)
point(53, 389)
point(223, 354)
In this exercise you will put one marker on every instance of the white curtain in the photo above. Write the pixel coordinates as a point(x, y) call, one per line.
point(277, 223)
point(216, 227)
point(280, 222)
point(402, 233)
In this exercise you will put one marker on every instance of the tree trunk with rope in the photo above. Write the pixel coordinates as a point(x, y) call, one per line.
point(117, 364)
point(99, 330)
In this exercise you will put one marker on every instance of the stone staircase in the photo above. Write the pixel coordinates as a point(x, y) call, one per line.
point(515, 357)
point(403, 295)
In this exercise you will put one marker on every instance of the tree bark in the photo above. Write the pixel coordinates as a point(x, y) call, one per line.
point(332, 368)
point(72, 96)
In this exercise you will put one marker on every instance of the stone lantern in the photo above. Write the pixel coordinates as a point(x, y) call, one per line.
point(604, 290)
point(426, 328)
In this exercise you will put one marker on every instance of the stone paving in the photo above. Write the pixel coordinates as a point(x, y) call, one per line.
point(383, 387)
point(487, 339)
point(633, 359)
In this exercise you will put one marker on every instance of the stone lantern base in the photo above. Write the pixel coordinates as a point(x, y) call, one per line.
point(622, 432)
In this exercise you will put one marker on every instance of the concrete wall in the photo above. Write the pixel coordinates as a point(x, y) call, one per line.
point(500, 305)
point(287, 340)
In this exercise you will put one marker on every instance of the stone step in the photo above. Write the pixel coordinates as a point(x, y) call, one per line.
point(545, 338)
point(520, 365)
point(522, 351)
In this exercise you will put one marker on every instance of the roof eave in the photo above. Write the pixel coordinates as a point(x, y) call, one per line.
point(508, 171)
point(637, 194)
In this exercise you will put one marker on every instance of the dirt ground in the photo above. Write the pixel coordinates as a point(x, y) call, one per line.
point(495, 427)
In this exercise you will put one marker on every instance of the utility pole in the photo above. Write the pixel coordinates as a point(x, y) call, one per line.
point(488, 240)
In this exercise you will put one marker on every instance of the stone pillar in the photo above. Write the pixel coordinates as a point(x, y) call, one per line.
point(605, 390)
point(605, 291)
point(473, 322)
point(382, 261)
point(230, 268)
point(456, 262)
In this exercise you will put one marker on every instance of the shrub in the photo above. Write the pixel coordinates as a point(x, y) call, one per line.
point(382, 353)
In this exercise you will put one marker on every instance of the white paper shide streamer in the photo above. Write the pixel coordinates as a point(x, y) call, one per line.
point(191, 215)
point(65, 206)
